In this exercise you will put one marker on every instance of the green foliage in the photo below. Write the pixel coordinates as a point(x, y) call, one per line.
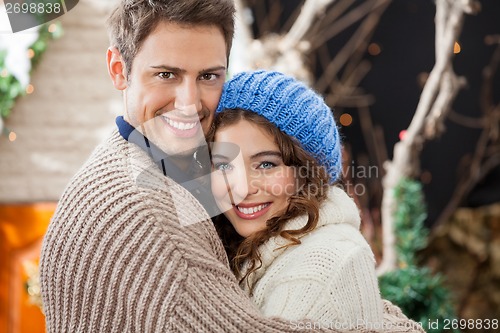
point(410, 215)
point(40, 45)
point(10, 87)
point(419, 293)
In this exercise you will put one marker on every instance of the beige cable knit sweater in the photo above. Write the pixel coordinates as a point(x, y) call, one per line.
point(120, 256)
point(329, 278)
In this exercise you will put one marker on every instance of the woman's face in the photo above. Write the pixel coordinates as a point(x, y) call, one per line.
point(250, 184)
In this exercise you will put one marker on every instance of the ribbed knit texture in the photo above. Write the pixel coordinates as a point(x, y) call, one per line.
point(329, 277)
point(116, 259)
point(293, 107)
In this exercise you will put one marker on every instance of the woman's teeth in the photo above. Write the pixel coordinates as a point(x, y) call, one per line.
point(252, 210)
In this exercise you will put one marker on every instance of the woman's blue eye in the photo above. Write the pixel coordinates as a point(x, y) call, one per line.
point(267, 165)
point(222, 166)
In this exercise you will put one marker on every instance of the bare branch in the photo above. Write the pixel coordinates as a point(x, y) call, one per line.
point(372, 136)
point(466, 121)
point(450, 85)
point(310, 11)
point(436, 98)
point(487, 150)
point(346, 21)
point(239, 59)
point(358, 41)
point(350, 83)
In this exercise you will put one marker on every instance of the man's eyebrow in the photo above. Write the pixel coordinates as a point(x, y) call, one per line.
point(169, 69)
point(213, 69)
point(180, 70)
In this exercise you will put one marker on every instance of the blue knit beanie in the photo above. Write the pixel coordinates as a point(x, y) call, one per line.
point(292, 107)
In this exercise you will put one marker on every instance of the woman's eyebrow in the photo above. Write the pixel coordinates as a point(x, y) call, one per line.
point(224, 157)
point(266, 153)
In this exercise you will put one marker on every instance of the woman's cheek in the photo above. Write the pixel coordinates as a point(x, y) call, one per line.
point(219, 188)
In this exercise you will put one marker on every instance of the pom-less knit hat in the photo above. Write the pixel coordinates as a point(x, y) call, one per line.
point(292, 107)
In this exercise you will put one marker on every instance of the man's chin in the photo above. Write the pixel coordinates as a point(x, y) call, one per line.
point(173, 144)
point(179, 147)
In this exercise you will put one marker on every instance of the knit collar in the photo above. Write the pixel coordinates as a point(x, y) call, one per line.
point(338, 208)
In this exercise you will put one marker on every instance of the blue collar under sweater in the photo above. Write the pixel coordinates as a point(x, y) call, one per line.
point(195, 182)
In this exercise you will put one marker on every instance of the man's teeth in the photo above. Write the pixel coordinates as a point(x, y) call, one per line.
point(180, 125)
point(252, 210)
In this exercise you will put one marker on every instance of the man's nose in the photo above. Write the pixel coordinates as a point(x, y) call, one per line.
point(187, 96)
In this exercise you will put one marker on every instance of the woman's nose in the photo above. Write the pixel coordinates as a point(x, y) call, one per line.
point(245, 184)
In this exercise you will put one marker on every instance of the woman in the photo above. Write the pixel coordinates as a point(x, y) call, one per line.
point(292, 236)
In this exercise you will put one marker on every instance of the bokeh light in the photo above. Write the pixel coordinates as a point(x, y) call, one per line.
point(345, 119)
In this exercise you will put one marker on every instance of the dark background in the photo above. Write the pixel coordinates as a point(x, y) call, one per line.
point(406, 35)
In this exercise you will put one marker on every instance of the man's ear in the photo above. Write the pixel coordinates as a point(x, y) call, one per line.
point(116, 68)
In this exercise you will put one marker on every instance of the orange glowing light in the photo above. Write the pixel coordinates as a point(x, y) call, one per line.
point(456, 48)
point(12, 136)
point(402, 135)
point(31, 53)
point(30, 88)
point(346, 119)
point(52, 28)
point(374, 49)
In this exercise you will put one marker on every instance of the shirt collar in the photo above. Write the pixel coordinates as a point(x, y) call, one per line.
point(197, 182)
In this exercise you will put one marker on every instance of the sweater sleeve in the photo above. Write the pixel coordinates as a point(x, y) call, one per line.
point(212, 301)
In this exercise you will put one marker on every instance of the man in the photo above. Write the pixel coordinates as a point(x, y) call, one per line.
point(129, 249)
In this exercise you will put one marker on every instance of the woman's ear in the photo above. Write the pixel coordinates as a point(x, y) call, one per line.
point(116, 68)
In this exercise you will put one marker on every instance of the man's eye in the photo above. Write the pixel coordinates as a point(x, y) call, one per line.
point(166, 75)
point(209, 77)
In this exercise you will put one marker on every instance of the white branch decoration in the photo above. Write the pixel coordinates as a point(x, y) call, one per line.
point(284, 53)
point(438, 94)
point(310, 11)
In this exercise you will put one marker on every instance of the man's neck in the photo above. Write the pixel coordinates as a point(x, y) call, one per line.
point(184, 161)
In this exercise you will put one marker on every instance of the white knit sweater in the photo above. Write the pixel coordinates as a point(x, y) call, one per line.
point(328, 278)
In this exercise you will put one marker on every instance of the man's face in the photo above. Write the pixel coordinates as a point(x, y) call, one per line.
point(175, 84)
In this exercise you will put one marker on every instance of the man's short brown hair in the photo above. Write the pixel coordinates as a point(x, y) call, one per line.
point(132, 21)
